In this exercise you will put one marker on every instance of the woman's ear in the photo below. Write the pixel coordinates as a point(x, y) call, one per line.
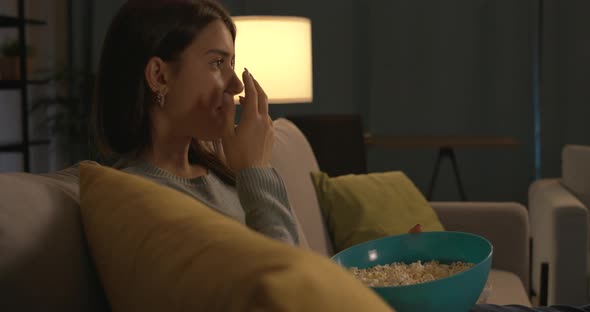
point(157, 73)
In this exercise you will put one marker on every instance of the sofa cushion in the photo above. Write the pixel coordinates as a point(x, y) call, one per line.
point(576, 171)
point(157, 249)
point(293, 159)
point(506, 288)
point(363, 207)
point(44, 263)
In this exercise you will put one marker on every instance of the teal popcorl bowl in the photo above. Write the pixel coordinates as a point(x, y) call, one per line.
point(456, 293)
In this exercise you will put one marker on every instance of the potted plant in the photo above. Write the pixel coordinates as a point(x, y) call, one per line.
point(67, 115)
point(10, 59)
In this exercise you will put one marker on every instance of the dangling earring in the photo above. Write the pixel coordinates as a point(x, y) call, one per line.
point(160, 99)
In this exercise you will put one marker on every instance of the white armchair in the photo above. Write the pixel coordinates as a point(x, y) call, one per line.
point(558, 212)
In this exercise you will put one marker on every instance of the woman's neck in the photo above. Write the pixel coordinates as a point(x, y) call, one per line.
point(172, 155)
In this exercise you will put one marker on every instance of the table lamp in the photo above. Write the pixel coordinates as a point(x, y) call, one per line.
point(277, 51)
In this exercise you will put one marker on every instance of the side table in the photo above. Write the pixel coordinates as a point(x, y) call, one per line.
point(446, 149)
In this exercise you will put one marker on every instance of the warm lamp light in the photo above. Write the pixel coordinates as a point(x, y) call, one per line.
point(277, 51)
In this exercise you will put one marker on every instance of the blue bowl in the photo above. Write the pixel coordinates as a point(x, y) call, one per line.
point(456, 293)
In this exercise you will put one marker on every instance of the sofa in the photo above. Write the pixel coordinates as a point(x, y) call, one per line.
point(45, 263)
point(559, 217)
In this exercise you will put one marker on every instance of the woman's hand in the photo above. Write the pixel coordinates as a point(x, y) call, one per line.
point(249, 144)
point(416, 229)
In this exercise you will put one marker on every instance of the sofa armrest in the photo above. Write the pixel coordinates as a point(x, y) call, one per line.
point(559, 228)
point(505, 225)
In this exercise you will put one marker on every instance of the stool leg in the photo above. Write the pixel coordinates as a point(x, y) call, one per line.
point(451, 154)
point(439, 158)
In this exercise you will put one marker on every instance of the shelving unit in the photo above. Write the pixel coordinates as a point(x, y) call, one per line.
point(20, 23)
point(10, 21)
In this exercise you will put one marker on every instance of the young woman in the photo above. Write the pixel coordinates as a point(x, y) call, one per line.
point(165, 110)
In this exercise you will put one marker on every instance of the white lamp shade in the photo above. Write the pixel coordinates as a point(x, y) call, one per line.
point(277, 51)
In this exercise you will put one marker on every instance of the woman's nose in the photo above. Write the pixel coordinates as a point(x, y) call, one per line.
point(235, 85)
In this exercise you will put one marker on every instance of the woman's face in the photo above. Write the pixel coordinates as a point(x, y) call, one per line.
point(200, 98)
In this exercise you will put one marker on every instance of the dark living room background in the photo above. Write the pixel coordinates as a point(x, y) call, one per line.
point(467, 68)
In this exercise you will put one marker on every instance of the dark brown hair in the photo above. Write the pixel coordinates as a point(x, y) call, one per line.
point(143, 29)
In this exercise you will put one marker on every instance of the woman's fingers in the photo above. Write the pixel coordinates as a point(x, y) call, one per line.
point(251, 98)
point(262, 98)
point(230, 129)
point(416, 229)
point(250, 144)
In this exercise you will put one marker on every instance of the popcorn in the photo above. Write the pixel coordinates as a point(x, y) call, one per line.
point(400, 274)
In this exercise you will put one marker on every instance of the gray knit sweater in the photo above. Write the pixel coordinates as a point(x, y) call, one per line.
point(258, 200)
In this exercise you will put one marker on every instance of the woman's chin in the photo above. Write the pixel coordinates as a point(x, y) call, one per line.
point(212, 134)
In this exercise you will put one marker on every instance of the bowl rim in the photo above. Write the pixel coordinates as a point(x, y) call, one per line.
point(480, 263)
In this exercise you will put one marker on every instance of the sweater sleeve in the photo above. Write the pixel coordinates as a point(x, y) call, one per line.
point(264, 199)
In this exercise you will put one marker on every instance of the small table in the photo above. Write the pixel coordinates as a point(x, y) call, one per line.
point(445, 145)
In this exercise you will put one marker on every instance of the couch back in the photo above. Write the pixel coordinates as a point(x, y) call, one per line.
point(44, 261)
point(294, 159)
point(575, 171)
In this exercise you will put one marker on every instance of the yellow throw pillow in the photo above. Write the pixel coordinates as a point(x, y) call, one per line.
point(157, 249)
point(359, 208)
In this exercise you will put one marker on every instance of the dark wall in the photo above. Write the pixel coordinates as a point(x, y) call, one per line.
point(457, 68)
point(566, 80)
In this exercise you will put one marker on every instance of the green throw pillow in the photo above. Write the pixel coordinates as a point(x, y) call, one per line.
point(360, 208)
